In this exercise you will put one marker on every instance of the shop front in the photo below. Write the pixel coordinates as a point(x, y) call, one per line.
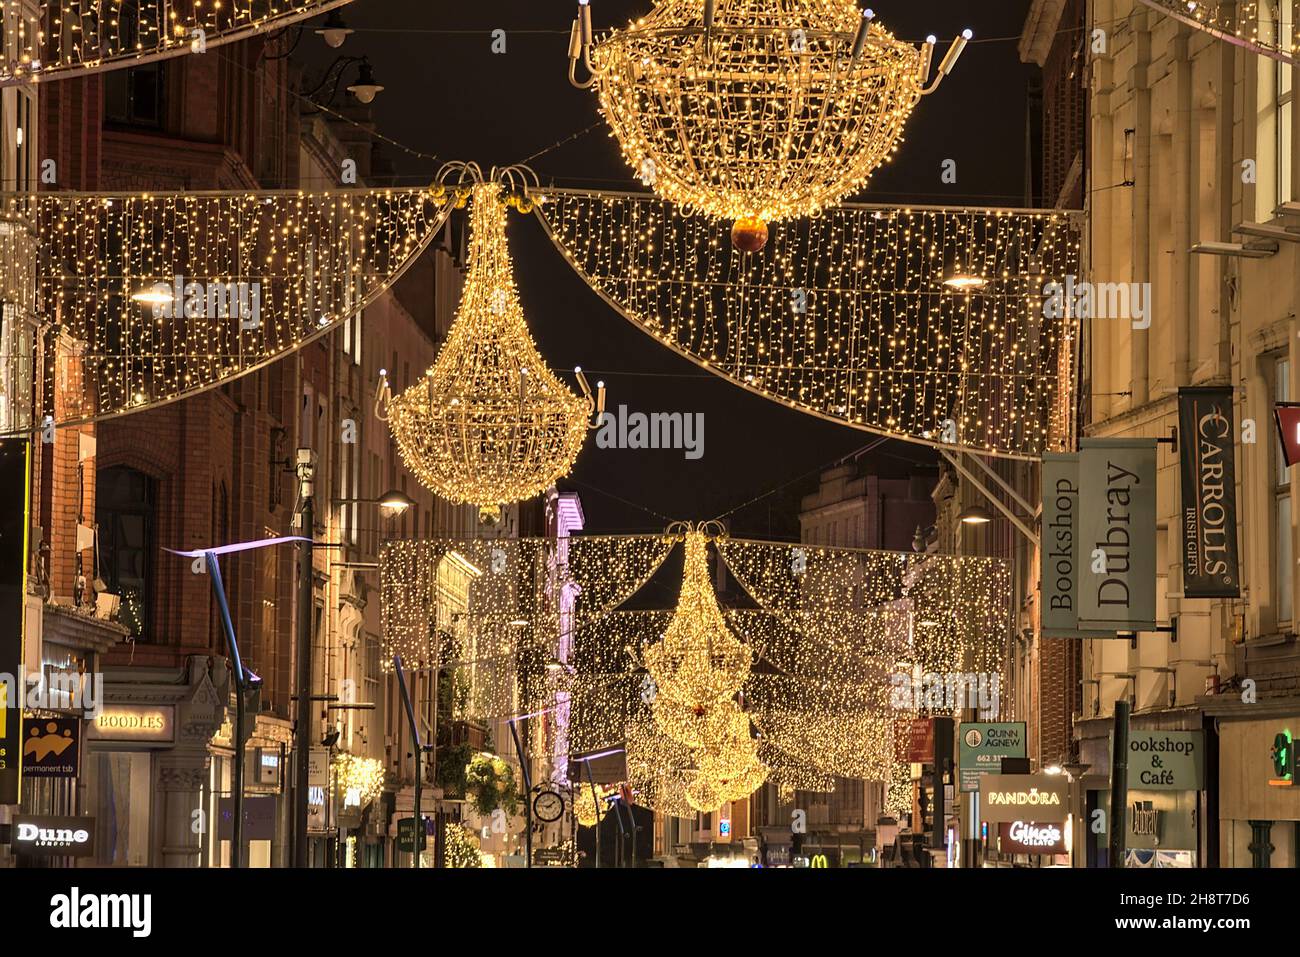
point(1259, 798)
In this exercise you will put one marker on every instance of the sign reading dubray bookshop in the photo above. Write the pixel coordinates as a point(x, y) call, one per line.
point(1166, 760)
point(983, 746)
point(1059, 555)
point(1117, 534)
point(1209, 493)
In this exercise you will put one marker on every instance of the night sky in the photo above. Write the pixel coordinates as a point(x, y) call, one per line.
point(447, 94)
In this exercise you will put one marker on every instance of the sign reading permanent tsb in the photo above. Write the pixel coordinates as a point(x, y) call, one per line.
point(1007, 798)
point(984, 745)
point(50, 747)
point(1117, 534)
point(1209, 488)
point(1166, 760)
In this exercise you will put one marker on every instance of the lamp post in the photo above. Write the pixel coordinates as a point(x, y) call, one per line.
point(305, 468)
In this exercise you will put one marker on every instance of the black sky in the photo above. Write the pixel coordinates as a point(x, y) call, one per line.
point(448, 94)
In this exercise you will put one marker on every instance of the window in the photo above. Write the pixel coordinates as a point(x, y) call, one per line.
point(1284, 582)
point(1273, 141)
point(134, 96)
point(125, 514)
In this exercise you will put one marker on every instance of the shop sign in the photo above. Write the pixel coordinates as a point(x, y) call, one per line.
point(1166, 760)
point(1117, 534)
point(1060, 554)
point(1287, 416)
point(51, 747)
point(133, 722)
point(1146, 820)
point(1209, 492)
point(40, 835)
point(267, 765)
point(407, 832)
point(984, 745)
point(1008, 798)
point(259, 818)
point(1031, 837)
point(921, 743)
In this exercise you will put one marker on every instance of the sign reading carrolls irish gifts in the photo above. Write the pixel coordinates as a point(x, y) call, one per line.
point(1208, 469)
point(1117, 534)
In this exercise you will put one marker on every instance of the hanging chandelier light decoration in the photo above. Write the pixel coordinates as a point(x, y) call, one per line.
point(931, 324)
point(489, 423)
point(58, 39)
point(155, 297)
point(1268, 28)
point(755, 111)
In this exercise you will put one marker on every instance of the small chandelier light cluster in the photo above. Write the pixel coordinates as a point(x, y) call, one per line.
point(697, 669)
point(1268, 28)
point(489, 423)
point(926, 324)
point(158, 296)
point(56, 39)
point(755, 110)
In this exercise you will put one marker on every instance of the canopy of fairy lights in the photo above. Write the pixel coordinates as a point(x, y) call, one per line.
point(755, 110)
point(56, 39)
point(776, 665)
point(1267, 28)
point(154, 297)
point(489, 423)
point(927, 324)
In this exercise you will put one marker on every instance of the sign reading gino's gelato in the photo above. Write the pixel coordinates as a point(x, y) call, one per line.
point(1042, 798)
point(133, 722)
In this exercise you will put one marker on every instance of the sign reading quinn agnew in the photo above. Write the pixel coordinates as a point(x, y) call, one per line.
point(1117, 534)
point(1042, 798)
point(1209, 486)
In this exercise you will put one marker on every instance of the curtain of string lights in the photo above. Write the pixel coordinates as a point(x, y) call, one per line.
point(813, 634)
point(926, 324)
point(1267, 28)
point(56, 39)
point(154, 297)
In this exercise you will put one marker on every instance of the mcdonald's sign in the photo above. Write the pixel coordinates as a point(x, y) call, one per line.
point(818, 860)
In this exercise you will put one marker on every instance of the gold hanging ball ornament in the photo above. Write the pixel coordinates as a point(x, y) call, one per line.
point(755, 109)
point(489, 423)
point(748, 235)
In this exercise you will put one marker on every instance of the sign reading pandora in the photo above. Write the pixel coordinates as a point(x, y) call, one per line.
point(1117, 534)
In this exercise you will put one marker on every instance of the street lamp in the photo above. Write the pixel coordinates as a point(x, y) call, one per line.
point(334, 30)
point(395, 503)
point(365, 89)
point(975, 515)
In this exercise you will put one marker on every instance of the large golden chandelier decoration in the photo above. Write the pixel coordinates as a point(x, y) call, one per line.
point(755, 110)
point(489, 423)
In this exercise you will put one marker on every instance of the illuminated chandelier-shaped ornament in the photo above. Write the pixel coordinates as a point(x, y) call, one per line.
point(489, 423)
point(699, 663)
point(755, 110)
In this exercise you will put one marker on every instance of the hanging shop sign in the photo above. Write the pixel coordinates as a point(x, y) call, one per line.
point(51, 747)
point(408, 832)
point(1059, 555)
point(1166, 760)
point(1030, 837)
point(15, 492)
point(133, 722)
point(1208, 468)
point(1007, 798)
point(1287, 417)
point(983, 746)
point(40, 835)
point(1117, 534)
point(920, 749)
point(259, 818)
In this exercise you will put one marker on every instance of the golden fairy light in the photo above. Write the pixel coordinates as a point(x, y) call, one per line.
point(1267, 28)
point(57, 39)
point(359, 780)
point(158, 296)
point(826, 632)
point(489, 423)
point(927, 324)
point(755, 110)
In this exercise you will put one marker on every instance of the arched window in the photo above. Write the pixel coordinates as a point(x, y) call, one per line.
point(125, 503)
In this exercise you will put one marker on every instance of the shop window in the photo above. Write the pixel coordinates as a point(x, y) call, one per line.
point(125, 514)
point(121, 785)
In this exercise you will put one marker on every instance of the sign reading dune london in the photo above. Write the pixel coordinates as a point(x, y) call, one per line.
point(1209, 485)
point(1116, 571)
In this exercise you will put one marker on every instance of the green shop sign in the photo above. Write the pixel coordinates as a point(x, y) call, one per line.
point(984, 745)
